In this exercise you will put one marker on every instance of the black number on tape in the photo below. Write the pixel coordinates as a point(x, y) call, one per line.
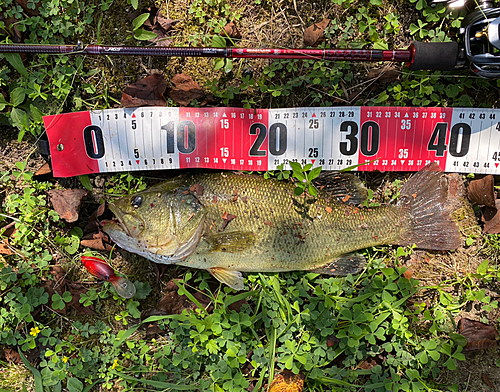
point(94, 142)
point(352, 128)
point(437, 142)
point(369, 146)
point(277, 143)
point(464, 145)
point(169, 127)
point(261, 131)
point(313, 152)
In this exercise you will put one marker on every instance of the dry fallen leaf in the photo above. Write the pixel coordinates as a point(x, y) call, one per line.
point(97, 244)
point(173, 303)
point(11, 356)
point(76, 291)
point(313, 35)
point(491, 219)
point(185, 90)
point(232, 31)
point(482, 192)
point(368, 364)
point(145, 92)
point(332, 340)
point(45, 169)
point(487, 380)
point(385, 75)
point(287, 381)
point(5, 247)
point(30, 11)
point(66, 202)
point(93, 223)
point(479, 336)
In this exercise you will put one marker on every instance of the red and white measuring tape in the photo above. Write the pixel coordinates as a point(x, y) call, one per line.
point(463, 140)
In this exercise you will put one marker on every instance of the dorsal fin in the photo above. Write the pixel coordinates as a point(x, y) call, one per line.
point(342, 187)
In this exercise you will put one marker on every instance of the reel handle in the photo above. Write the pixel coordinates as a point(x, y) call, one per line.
point(434, 56)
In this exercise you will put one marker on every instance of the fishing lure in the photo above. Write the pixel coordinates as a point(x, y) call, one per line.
point(103, 271)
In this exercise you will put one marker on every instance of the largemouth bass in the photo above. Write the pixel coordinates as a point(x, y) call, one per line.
point(228, 223)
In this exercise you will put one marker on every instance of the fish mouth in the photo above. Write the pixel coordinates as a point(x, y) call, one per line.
point(130, 224)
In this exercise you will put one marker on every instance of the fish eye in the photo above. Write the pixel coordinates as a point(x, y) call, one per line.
point(136, 201)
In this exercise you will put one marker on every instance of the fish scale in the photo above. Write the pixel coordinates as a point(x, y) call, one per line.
point(285, 240)
point(230, 222)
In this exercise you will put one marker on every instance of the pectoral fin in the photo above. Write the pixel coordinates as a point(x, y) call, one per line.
point(232, 278)
point(233, 242)
point(351, 263)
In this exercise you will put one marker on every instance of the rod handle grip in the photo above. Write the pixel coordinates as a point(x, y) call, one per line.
point(434, 56)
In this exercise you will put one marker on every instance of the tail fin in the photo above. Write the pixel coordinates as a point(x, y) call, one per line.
point(427, 215)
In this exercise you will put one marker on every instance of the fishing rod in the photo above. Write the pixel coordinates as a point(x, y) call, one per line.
point(420, 55)
point(478, 45)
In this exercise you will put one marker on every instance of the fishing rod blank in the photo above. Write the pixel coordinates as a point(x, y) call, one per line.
point(441, 56)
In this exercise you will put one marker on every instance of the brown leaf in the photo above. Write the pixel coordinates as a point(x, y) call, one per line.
point(332, 340)
point(479, 336)
point(76, 291)
point(368, 364)
point(161, 38)
point(11, 24)
point(97, 244)
point(385, 75)
point(28, 10)
point(482, 192)
point(8, 229)
point(153, 330)
point(166, 24)
point(286, 381)
point(491, 219)
point(313, 35)
point(58, 273)
point(5, 247)
point(145, 92)
point(185, 90)
point(162, 27)
point(487, 380)
point(11, 356)
point(173, 303)
point(231, 31)
point(45, 169)
point(66, 202)
point(93, 223)
point(408, 274)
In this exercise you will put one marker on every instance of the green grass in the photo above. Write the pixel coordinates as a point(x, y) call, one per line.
point(369, 332)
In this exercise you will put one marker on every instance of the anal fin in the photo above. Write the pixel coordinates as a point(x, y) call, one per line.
point(351, 263)
point(232, 278)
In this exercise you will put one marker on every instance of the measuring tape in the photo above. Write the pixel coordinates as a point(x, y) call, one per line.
point(463, 140)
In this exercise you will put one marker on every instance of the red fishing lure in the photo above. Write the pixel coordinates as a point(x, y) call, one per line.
point(102, 270)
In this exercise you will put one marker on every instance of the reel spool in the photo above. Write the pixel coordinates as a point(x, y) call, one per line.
point(479, 37)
